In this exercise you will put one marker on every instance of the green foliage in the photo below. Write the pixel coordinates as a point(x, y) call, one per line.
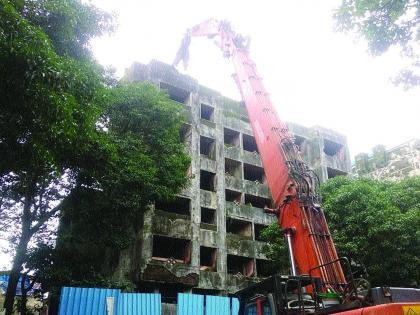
point(69, 24)
point(377, 224)
point(98, 221)
point(276, 248)
point(52, 94)
point(48, 102)
point(385, 23)
point(74, 142)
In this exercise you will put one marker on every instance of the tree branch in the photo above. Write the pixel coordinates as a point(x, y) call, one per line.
point(45, 217)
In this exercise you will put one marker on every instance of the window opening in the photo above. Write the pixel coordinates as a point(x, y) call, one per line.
point(233, 196)
point(240, 265)
point(208, 215)
point(254, 173)
point(233, 168)
point(208, 259)
point(175, 93)
point(239, 227)
point(331, 148)
point(179, 205)
point(257, 230)
point(231, 137)
point(207, 112)
point(207, 180)
point(258, 202)
point(249, 143)
point(171, 249)
point(208, 147)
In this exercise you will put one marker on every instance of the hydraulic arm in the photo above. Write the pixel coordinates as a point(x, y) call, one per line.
point(292, 183)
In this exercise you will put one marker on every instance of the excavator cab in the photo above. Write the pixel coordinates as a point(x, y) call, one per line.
point(281, 294)
point(301, 294)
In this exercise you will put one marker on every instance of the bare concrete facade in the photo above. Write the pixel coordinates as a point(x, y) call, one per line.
point(208, 240)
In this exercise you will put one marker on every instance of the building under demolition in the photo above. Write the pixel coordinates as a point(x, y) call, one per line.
point(208, 240)
point(393, 164)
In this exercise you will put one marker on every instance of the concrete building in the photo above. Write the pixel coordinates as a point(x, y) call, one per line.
point(392, 164)
point(208, 239)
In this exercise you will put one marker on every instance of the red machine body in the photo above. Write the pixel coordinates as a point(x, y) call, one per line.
point(292, 184)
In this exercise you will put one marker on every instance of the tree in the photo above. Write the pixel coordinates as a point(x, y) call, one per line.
point(276, 248)
point(385, 24)
point(51, 97)
point(96, 224)
point(377, 223)
point(373, 223)
point(72, 143)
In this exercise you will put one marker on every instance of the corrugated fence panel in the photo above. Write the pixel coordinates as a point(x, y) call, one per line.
point(85, 301)
point(139, 304)
point(93, 301)
point(217, 305)
point(235, 306)
point(190, 304)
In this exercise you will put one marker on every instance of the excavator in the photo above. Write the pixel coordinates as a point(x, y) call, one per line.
point(320, 282)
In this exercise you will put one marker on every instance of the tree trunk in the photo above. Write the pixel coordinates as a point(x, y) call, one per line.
point(18, 261)
point(12, 284)
point(24, 291)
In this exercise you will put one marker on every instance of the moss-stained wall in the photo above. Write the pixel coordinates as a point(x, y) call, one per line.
point(137, 263)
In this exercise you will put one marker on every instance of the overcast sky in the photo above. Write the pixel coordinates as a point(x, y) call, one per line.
point(314, 75)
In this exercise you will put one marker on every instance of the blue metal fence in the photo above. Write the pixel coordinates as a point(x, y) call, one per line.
point(235, 306)
point(85, 301)
point(217, 305)
point(193, 304)
point(139, 303)
point(93, 301)
point(190, 304)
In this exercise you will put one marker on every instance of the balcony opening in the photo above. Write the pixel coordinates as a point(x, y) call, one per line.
point(249, 143)
point(207, 291)
point(265, 268)
point(300, 143)
point(185, 134)
point(208, 215)
point(208, 147)
point(331, 148)
point(239, 227)
point(169, 248)
point(208, 259)
point(257, 230)
point(258, 202)
point(180, 206)
point(331, 173)
point(207, 112)
point(254, 173)
point(233, 196)
point(207, 180)
point(240, 265)
point(233, 168)
point(175, 93)
point(231, 138)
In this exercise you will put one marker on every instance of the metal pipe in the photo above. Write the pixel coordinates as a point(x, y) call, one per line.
point(288, 235)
